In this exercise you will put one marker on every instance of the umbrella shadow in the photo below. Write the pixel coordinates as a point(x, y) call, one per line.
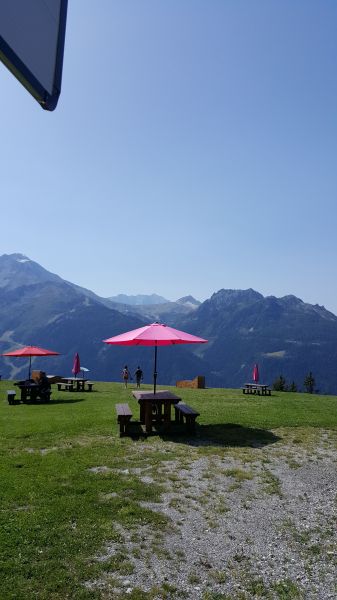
point(64, 401)
point(226, 435)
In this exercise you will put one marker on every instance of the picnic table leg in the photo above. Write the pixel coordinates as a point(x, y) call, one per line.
point(148, 417)
point(167, 412)
point(124, 421)
point(190, 423)
point(142, 413)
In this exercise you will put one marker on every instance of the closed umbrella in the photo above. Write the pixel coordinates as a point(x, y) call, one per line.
point(76, 365)
point(155, 334)
point(30, 351)
point(256, 375)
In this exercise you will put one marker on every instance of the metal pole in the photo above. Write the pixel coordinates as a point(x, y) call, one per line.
point(30, 364)
point(155, 370)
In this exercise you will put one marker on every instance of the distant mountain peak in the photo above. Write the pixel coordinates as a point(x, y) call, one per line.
point(17, 270)
point(189, 301)
point(16, 257)
point(291, 299)
point(234, 296)
point(139, 299)
point(23, 259)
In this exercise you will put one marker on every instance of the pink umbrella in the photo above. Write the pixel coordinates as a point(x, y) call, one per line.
point(156, 334)
point(76, 366)
point(256, 373)
point(30, 351)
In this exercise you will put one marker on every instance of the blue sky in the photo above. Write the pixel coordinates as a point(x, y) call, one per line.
point(194, 148)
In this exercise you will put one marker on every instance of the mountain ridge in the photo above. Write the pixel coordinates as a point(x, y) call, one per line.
point(284, 335)
point(138, 299)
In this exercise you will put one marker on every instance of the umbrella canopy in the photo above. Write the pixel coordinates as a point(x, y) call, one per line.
point(256, 375)
point(76, 365)
point(30, 351)
point(156, 334)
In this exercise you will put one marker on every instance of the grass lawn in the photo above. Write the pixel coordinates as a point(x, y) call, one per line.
point(57, 515)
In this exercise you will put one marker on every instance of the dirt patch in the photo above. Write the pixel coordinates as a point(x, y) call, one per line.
point(262, 525)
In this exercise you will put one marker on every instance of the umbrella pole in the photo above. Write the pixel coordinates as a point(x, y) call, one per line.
point(155, 370)
point(30, 364)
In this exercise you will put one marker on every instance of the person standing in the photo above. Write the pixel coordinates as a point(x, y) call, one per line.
point(44, 387)
point(138, 376)
point(126, 375)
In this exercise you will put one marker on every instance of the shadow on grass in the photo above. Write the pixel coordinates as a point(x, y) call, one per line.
point(232, 434)
point(136, 431)
point(63, 401)
point(229, 434)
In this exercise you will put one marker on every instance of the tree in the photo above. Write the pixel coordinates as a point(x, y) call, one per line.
point(309, 383)
point(279, 384)
point(292, 387)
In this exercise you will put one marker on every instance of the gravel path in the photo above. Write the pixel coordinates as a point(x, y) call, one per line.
point(259, 523)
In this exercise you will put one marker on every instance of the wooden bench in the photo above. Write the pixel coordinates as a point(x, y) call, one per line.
point(65, 387)
point(258, 388)
point(248, 390)
point(45, 395)
point(11, 397)
point(124, 415)
point(185, 412)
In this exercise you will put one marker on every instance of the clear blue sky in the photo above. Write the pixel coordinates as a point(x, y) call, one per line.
point(194, 148)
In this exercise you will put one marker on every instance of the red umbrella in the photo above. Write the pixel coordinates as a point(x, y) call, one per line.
point(76, 366)
point(256, 373)
point(156, 334)
point(30, 351)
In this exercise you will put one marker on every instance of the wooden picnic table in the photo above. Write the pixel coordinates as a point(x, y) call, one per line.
point(77, 384)
point(155, 408)
point(256, 388)
point(30, 391)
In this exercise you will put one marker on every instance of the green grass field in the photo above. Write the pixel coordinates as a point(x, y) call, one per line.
point(57, 515)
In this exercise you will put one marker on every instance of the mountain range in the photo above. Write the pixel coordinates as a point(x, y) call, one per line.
point(283, 335)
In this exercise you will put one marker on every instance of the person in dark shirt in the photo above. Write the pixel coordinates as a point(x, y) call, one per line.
point(44, 387)
point(138, 376)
